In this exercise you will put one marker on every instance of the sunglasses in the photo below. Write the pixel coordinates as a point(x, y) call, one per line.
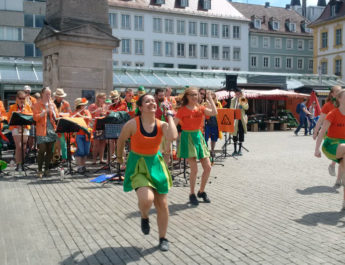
point(21, 98)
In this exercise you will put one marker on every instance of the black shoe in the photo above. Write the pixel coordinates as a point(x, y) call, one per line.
point(23, 167)
point(193, 200)
point(163, 244)
point(145, 226)
point(203, 195)
point(17, 167)
point(234, 153)
point(239, 153)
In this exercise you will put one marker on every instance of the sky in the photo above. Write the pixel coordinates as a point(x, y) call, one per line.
point(281, 3)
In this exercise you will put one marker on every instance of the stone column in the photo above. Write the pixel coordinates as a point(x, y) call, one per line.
point(76, 45)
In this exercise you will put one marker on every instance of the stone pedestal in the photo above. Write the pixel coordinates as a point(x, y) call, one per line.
point(76, 45)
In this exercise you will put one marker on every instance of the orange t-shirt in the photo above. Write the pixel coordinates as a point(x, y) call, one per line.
point(191, 119)
point(327, 107)
point(337, 128)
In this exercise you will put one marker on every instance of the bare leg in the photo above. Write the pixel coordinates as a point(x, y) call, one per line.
point(145, 199)
point(18, 143)
point(161, 204)
point(193, 171)
point(95, 150)
point(206, 165)
point(101, 150)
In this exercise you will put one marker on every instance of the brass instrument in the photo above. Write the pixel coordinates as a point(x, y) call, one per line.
point(243, 101)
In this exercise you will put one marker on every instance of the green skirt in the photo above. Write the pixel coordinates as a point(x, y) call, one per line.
point(329, 147)
point(192, 144)
point(147, 171)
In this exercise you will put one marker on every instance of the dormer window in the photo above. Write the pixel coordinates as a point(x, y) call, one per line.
point(333, 10)
point(292, 27)
point(257, 23)
point(275, 25)
point(205, 4)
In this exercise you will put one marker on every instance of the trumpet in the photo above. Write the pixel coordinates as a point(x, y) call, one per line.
point(243, 101)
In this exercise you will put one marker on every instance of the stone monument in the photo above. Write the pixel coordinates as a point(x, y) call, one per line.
point(76, 44)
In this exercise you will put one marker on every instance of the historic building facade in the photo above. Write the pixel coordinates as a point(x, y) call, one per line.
point(328, 30)
point(279, 40)
point(194, 34)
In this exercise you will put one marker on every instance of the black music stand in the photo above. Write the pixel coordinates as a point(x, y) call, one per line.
point(112, 125)
point(67, 126)
point(21, 119)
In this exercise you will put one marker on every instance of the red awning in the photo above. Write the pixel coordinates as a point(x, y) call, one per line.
point(275, 94)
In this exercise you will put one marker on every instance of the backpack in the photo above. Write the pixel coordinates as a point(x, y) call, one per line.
point(298, 108)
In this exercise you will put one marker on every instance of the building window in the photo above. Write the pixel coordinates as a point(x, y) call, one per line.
point(215, 30)
point(310, 64)
point(33, 21)
point(157, 48)
point(253, 61)
point(254, 41)
point(225, 31)
point(236, 32)
point(169, 49)
point(192, 28)
point(31, 50)
point(275, 25)
point(126, 63)
point(139, 65)
point(139, 47)
point(226, 53)
point(310, 45)
point(192, 50)
point(181, 27)
point(278, 43)
point(300, 45)
point(11, 5)
point(125, 21)
point(180, 50)
point(333, 7)
point(126, 46)
point(139, 23)
point(266, 62)
point(214, 68)
point(338, 67)
point(324, 39)
point(113, 20)
point(169, 26)
point(203, 29)
point(266, 42)
point(236, 69)
point(11, 33)
point(203, 51)
point(163, 65)
point(203, 67)
point(157, 25)
point(289, 44)
point(292, 27)
point(324, 68)
point(288, 63)
point(215, 52)
point(300, 64)
point(236, 53)
point(277, 62)
point(116, 50)
point(338, 37)
point(257, 23)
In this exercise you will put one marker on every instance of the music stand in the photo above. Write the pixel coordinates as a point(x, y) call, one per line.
point(69, 126)
point(112, 126)
point(21, 119)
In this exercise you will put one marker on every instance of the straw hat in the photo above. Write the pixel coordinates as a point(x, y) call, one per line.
point(27, 88)
point(114, 94)
point(80, 101)
point(59, 93)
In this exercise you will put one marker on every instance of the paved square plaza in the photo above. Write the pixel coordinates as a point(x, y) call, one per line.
point(274, 205)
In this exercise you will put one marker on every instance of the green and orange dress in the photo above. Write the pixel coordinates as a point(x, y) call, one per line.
point(192, 142)
point(145, 164)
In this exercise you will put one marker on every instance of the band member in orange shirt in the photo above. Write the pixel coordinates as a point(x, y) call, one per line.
point(22, 107)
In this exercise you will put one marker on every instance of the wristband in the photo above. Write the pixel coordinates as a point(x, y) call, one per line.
point(171, 114)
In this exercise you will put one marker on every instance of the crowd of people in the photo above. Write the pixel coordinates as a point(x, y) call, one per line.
point(156, 122)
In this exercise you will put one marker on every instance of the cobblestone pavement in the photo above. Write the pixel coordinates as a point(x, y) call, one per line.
point(274, 205)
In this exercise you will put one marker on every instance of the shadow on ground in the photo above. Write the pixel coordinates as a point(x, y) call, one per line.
point(107, 256)
point(173, 209)
point(317, 189)
point(326, 218)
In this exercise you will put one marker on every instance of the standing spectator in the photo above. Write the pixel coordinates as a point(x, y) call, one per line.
point(303, 112)
point(311, 117)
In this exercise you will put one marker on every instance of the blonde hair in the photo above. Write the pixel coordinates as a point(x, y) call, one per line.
point(186, 93)
point(331, 93)
point(98, 96)
point(337, 97)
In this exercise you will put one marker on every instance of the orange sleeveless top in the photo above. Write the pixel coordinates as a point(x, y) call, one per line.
point(142, 144)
